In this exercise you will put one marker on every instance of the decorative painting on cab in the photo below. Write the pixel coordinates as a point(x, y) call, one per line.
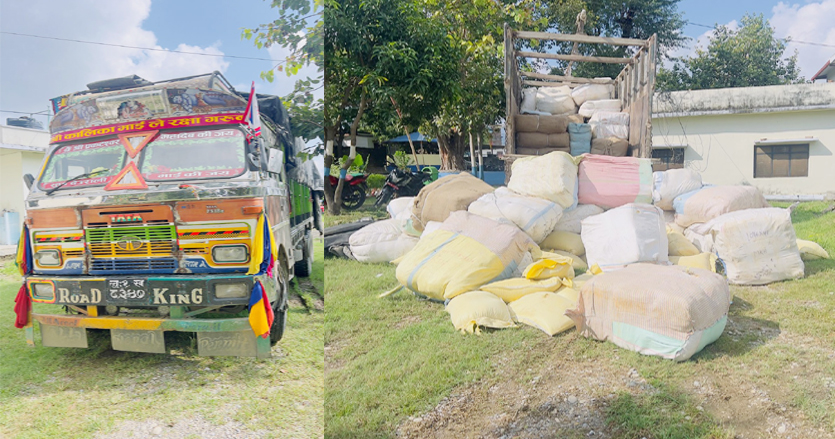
point(73, 160)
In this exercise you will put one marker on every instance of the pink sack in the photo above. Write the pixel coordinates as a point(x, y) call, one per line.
point(610, 182)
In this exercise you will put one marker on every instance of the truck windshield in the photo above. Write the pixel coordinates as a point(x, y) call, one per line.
point(73, 160)
point(194, 154)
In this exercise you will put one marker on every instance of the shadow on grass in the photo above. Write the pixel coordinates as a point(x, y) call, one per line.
point(742, 334)
point(819, 266)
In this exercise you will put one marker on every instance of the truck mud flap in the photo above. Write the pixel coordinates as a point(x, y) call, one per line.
point(232, 343)
point(63, 336)
point(152, 342)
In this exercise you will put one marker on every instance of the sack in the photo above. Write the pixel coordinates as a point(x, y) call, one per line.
point(668, 311)
point(614, 181)
point(625, 235)
point(535, 216)
point(705, 204)
point(540, 151)
point(705, 261)
point(400, 208)
point(447, 194)
point(431, 226)
point(551, 265)
point(611, 146)
point(555, 100)
point(545, 311)
point(579, 138)
point(592, 92)
point(571, 219)
point(581, 280)
point(532, 123)
point(528, 177)
point(577, 262)
point(809, 251)
point(565, 241)
point(758, 246)
point(470, 310)
point(382, 241)
point(667, 185)
point(466, 252)
point(609, 124)
point(528, 100)
point(679, 245)
point(512, 289)
point(699, 234)
point(589, 108)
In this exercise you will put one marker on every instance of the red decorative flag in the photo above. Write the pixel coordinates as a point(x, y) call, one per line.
point(22, 306)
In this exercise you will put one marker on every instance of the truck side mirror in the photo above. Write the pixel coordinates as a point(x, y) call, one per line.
point(28, 179)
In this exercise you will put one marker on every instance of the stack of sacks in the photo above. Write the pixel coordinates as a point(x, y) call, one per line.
point(580, 138)
point(757, 246)
point(538, 135)
point(625, 235)
point(592, 92)
point(535, 216)
point(382, 241)
point(527, 173)
point(466, 252)
point(555, 100)
point(614, 181)
point(566, 243)
point(611, 146)
point(667, 311)
point(589, 108)
point(571, 219)
point(400, 208)
point(707, 203)
point(609, 124)
point(448, 194)
point(669, 184)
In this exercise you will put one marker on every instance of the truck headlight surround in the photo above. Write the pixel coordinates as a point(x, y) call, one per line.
point(231, 290)
point(43, 291)
point(48, 258)
point(230, 253)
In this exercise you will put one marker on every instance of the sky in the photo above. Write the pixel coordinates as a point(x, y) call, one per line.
point(34, 70)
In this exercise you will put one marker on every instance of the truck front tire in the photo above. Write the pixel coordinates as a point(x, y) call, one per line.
point(304, 267)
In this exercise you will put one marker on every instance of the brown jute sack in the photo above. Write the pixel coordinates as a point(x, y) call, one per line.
point(540, 151)
point(531, 140)
point(448, 194)
point(611, 146)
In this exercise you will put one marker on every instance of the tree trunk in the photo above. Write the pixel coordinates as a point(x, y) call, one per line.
point(343, 171)
point(452, 148)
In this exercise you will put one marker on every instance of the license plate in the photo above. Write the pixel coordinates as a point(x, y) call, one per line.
point(131, 290)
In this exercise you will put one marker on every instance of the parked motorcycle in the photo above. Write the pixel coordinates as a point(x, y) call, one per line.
point(353, 191)
point(403, 183)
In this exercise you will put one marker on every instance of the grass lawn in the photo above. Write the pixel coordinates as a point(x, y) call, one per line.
point(395, 366)
point(98, 392)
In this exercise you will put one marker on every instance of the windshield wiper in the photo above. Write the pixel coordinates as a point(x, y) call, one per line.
point(77, 177)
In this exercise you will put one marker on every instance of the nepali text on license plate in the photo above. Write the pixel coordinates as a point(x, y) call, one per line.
point(127, 289)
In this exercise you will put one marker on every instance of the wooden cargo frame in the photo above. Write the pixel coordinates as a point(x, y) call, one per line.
point(634, 85)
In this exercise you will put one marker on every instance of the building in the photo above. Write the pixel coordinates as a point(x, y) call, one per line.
point(779, 138)
point(827, 72)
point(21, 152)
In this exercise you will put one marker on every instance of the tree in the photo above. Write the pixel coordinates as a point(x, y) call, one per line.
point(744, 57)
point(377, 51)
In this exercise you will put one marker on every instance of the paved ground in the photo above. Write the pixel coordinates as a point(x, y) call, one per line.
point(7, 250)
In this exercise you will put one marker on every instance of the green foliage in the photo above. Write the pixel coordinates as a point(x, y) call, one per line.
point(357, 166)
point(376, 181)
point(401, 159)
point(745, 57)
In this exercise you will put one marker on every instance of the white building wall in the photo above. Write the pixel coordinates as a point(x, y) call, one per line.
point(721, 147)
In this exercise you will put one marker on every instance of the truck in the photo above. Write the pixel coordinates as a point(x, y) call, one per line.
point(160, 208)
point(633, 86)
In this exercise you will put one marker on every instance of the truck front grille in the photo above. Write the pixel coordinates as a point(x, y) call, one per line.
point(128, 241)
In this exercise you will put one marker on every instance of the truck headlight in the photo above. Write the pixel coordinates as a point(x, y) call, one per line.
point(43, 291)
point(231, 291)
point(230, 253)
point(48, 258)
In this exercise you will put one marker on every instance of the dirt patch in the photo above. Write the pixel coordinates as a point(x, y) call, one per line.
point(407, 321)
point(190, 428)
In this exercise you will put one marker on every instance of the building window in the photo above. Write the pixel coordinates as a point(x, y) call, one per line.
point(667, 158)
point(781, 161)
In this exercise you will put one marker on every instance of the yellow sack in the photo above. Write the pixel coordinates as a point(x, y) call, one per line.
point(552, 266)
point(565, 241)
point(576, 261)
point(512, 289)
point(581, 280)
point(809, 251)
point(470, 310)
point(546, 311)
point(705, 261)
point(678, 245)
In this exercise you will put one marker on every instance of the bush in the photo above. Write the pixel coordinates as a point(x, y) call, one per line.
point(376, 181)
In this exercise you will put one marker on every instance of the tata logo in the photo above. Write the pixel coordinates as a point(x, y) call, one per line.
point(130, 243)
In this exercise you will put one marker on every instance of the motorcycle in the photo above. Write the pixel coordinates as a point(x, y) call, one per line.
point(353, 191)
point(403, 183)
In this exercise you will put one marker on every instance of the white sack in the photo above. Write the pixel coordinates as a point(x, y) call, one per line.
point(631, 233)
point(667, 185)
point(589, 108)
point(571, 219)
point(609, 124)
point(528, 100)
point(381, 241)
point(527, 177)
point(592, 92)
point(430, 227)
point(398, 206)
point(535, 216)
point(555, 100)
